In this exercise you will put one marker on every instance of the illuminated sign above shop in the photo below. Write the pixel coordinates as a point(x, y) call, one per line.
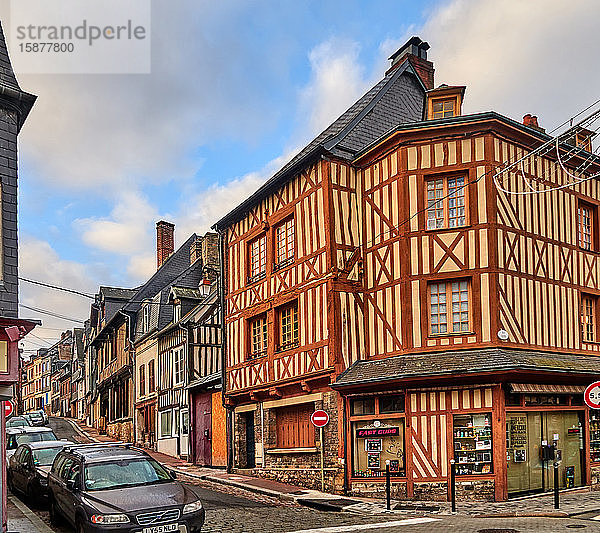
point(361, 433)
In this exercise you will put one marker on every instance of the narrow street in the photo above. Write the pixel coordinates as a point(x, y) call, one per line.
point(233, 510)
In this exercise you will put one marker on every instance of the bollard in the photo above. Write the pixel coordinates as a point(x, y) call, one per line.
point(556, 502)
point(388, 484)
point(453, 484)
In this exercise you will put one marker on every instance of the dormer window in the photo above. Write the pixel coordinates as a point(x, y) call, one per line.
point(444, 102)
point(145, 317)
point(443, 108)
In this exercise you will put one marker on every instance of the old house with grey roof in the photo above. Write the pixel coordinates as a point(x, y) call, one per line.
point(384, 276)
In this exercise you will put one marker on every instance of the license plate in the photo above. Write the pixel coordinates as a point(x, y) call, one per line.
point(161, 529)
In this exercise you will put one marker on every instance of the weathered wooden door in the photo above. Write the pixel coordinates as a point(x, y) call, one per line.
point(202, 429)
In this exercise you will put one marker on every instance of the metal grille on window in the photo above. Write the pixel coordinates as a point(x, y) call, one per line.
point(438, 308)
point(585, 227)
point(456, 202)
point(435, 204)
point(460, 306)
point(289, 327)
point(258, 328)
point(258, 258)
point(285, 242)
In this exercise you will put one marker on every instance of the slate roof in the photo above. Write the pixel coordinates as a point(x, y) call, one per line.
point(9, 87)
point(114, 298)
point(398, 98)
point(464, 362)
point(161, 311)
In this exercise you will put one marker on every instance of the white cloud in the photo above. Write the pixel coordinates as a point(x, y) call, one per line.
point(127, 231)
point(39, 261)
point(337, 81)
point(518, 57)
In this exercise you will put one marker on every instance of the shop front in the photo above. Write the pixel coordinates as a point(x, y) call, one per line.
point(546, 424)
point(503, 430)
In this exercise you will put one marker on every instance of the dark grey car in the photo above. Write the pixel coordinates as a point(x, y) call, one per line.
point(99, 487)
point(29, 466)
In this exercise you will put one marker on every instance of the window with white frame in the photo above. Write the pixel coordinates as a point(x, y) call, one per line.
point(179, 362)
point(166, 423)
point(449, 307)
point(446, 202)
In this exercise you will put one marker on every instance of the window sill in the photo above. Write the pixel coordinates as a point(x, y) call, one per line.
point(278, 451)
point(457, 228)
point(452, 334)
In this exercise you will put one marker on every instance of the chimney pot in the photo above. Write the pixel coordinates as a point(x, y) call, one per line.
point(165, 241)
point(415, 51)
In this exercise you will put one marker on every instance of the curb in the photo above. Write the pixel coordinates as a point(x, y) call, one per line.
point(80, 431)
point(237, 484)
point(524, 514)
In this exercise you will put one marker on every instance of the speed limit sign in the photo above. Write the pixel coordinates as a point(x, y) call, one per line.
point(592, 395)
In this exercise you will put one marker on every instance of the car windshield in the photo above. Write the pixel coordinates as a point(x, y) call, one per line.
point(24, 438)
point(44, 456)
point(16, 422)
point(125, 473)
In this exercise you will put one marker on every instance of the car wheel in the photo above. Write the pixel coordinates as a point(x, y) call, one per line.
point(54, 514)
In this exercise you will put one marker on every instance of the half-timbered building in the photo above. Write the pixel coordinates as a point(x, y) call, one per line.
point(207, 414)
point(385, 276)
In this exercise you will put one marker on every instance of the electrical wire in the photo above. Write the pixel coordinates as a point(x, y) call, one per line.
point(56, 287)
point(50, 313)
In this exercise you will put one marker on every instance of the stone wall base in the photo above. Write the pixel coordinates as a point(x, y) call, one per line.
point(595, 478)
point(369, 489)
point(121, 431)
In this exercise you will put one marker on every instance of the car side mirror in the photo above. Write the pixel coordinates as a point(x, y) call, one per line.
point(173, 474)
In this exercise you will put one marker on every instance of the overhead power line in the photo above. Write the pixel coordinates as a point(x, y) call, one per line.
point(50, 313)
point(56, 287)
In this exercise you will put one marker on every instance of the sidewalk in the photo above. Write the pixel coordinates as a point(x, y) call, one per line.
point(22, 520)
point(572, 503)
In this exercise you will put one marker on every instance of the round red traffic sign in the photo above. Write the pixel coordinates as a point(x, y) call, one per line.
point(8, 408)
point(319, 418)
point(592, 395)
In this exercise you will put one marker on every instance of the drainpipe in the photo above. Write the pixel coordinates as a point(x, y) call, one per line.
point(345, 437)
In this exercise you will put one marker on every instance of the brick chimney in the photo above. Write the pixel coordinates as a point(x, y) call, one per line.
point(165, 241)
point(415, 50)
point(532, 122)
point(196, 250)
point(210, 251)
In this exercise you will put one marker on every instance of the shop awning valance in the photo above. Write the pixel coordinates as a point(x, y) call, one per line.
point(537, 388)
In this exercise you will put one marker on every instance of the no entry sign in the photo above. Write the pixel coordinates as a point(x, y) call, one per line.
point(8, 408)
point(592, 395)
point(319, 418)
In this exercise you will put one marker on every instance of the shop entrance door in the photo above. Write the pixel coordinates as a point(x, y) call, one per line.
point(530, 467)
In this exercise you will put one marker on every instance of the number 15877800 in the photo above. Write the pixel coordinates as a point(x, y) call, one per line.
point(38, 48)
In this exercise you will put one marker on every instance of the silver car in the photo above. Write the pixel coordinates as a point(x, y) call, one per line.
point(17, 436)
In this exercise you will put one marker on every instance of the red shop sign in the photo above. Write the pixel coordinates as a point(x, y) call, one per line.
point(361, 433)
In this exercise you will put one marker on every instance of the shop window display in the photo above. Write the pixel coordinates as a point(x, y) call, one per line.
point(595, 435)
point(473, 444)
point(374, 443)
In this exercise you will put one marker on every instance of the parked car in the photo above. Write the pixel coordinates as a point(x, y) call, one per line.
point(37, 418)
point(29, 466)
point(17, 422)
point(98, 487)
point(17, 436)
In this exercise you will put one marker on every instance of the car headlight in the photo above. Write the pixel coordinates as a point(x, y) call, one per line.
point(192, 507)
point(109, 519)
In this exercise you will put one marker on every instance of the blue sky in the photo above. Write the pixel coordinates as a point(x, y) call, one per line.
point(236, 87)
